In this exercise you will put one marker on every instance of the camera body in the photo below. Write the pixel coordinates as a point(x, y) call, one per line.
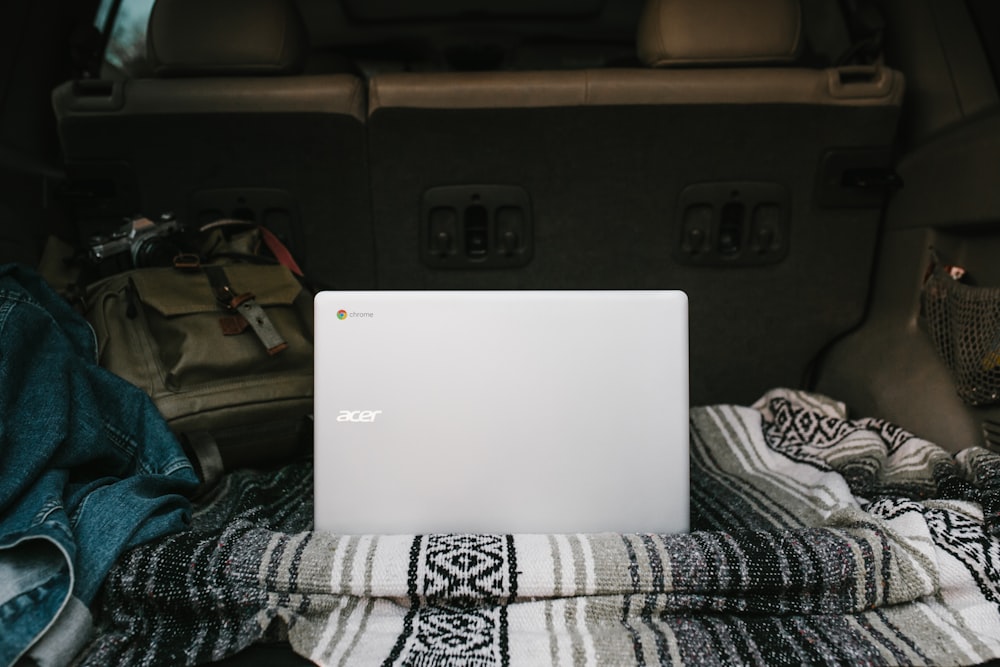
point(139, 243)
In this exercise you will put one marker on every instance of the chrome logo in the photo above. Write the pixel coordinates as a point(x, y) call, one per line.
point(341, 314)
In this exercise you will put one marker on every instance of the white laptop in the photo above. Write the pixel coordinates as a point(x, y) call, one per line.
point(501, 412)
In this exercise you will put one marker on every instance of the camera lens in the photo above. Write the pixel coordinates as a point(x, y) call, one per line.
point(156, 251)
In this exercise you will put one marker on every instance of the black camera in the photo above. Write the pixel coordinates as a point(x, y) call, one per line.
point(139, 243)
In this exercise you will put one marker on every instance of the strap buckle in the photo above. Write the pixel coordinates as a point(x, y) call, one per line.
point(244, 306)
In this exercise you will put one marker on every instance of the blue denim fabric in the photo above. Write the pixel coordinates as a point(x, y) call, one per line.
point(88, 467)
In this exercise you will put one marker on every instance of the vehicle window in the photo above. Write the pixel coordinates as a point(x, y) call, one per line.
point(126, 36)
point(102, 14)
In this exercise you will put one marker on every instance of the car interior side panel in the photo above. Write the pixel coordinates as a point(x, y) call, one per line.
point(893, 350)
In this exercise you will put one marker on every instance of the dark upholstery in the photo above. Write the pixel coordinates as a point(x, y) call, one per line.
point(607, 157)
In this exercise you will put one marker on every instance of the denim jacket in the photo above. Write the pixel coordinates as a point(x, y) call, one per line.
point(88, 469)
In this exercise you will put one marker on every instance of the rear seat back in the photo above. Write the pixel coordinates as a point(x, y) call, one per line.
point(722, 168)
point(229, 128)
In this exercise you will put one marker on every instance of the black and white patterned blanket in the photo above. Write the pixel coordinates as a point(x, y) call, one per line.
point(818, 540)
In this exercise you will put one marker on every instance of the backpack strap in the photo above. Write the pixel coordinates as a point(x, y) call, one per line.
point(245, 306)
point(204, 452)
point(279, 250)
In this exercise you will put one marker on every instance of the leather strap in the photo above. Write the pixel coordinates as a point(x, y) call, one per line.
point(280, 251)
point(247, 307)
point(261, 324)
point(204, 450)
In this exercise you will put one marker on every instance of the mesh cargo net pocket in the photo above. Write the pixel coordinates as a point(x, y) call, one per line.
point(964, 323)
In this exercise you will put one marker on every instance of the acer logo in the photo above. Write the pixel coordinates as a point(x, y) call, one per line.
point(358, 415)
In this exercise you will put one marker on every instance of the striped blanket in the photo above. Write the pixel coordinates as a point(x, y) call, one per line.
point(819, 540)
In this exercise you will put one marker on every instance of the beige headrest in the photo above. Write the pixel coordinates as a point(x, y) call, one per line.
point(719, 32)
point(225, 37)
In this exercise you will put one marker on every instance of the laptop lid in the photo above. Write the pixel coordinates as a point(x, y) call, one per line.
point(501, 412)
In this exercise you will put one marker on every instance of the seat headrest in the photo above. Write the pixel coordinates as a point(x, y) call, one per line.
point(719, 32)
point(225, 37)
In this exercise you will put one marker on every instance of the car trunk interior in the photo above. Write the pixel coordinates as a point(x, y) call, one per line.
point(612, 190)
point(815, 214)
